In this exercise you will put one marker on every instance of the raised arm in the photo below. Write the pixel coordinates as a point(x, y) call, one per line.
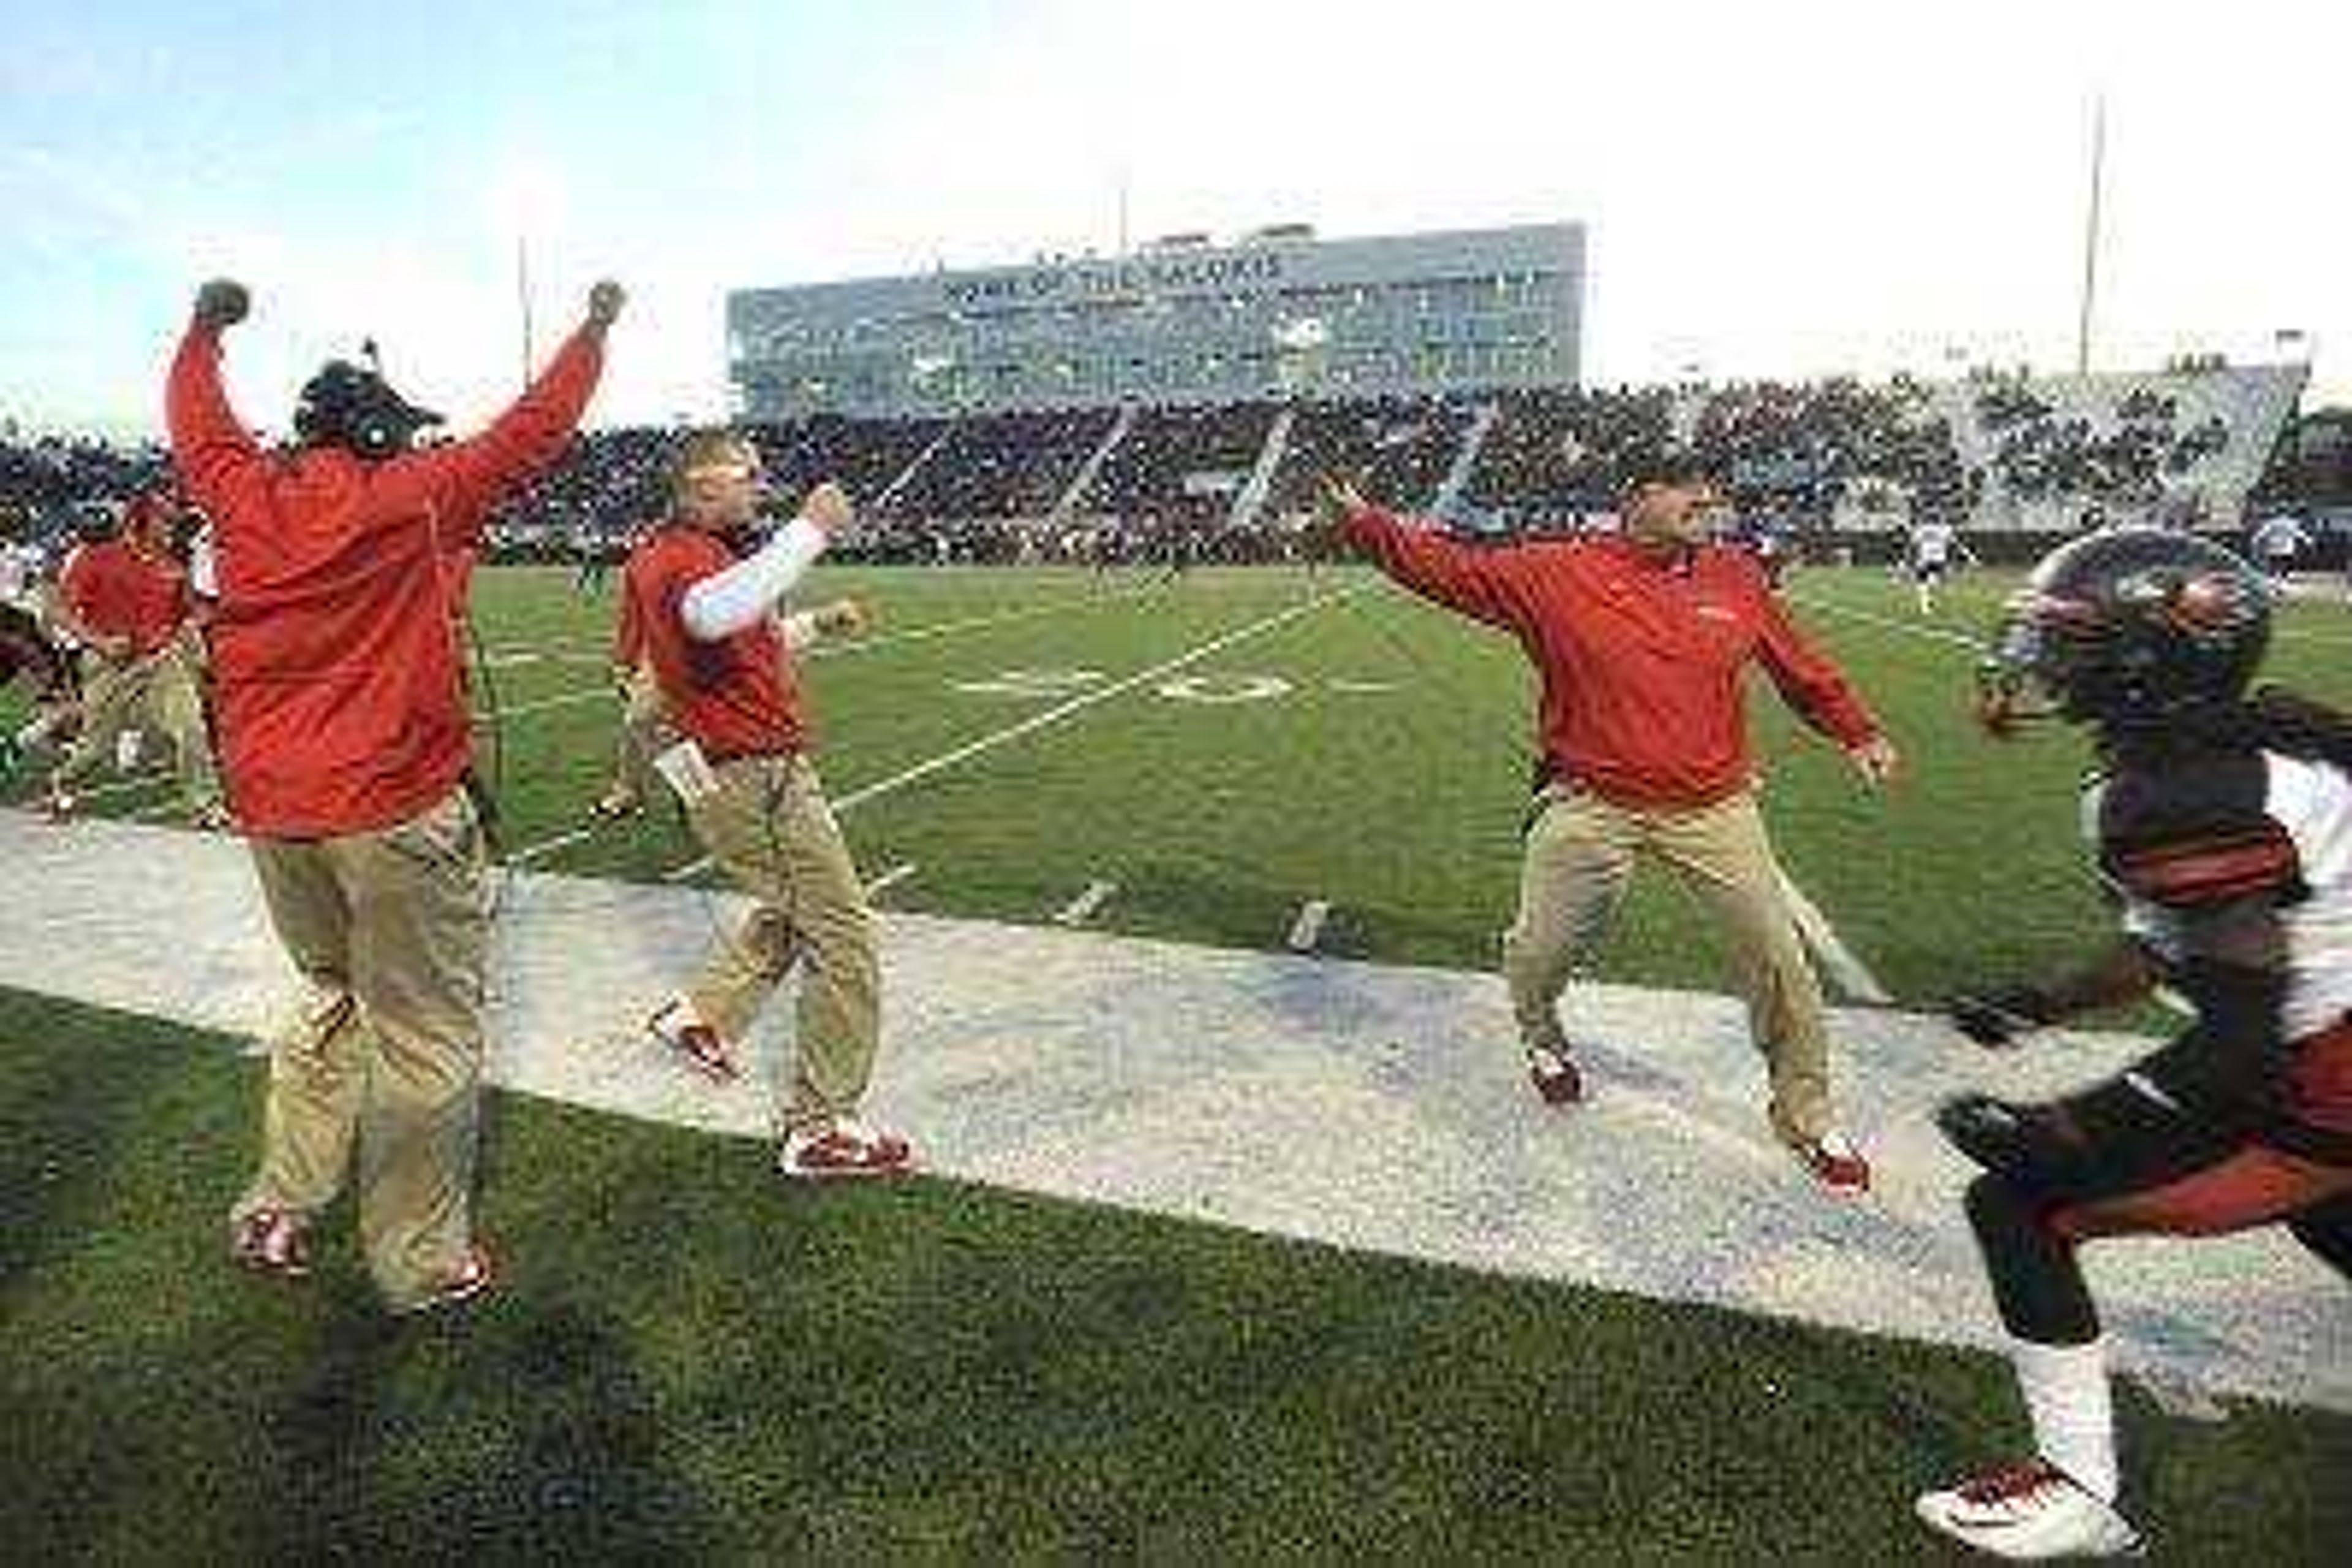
point(1472, 579)
point(731, 601)
point(220, 465)
point(468, 479)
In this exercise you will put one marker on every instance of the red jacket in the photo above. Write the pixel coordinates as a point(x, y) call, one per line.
point(337, 673)
point(1641, 659)
point(629, 631)
point(737, 697)
point(118, 592)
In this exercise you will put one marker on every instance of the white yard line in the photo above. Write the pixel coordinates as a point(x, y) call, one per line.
point(565, 699)
point(1852, 975)
point(890, 878)
point(1907, 629)
point(1307, 929)
point(838, 650)
point(546, 846)
point(1085, 907)
point(1080, 703)
point(1052, 716)
point(970, 622)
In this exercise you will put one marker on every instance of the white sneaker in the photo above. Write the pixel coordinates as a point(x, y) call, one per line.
point(842, 1148)
point(2029, 1513)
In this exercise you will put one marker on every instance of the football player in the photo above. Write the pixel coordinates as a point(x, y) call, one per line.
point(2221, 825)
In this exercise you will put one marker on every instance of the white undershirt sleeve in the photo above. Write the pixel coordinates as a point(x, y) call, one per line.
point(732, 601)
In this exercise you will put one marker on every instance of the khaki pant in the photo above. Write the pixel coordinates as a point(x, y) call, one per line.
point(768, 827)
point(389, 931)
point(157, 693)
point(644, 733)
point(1580, 855)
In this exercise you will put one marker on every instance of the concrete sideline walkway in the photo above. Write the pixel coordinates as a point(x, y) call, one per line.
point(1375, 1108)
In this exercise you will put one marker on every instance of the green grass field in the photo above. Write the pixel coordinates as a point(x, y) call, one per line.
point(690, 1363)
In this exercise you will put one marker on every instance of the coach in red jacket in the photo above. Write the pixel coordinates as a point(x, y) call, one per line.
point(126, 600)
point(344, 746)
point(742, 770)
point(1642, 639)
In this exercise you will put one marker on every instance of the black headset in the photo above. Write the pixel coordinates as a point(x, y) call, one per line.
point(354, 409)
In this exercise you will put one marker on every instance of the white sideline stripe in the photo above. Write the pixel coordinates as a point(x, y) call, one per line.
point(1960, 639)
point(1052, 716)
point(1852, 975)
point(1083, 701)
point(1083, 908)
point(1307, 929)
point(547, 847)
point(890, 878)
point(2178, 1394)
point(1100, 1060)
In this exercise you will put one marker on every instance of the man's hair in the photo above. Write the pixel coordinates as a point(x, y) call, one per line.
point(1672, 464)
point(706, 452)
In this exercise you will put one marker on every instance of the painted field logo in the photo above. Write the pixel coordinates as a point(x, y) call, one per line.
point(1222, 688)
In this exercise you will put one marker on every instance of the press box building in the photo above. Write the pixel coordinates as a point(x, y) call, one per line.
point(1182, 319)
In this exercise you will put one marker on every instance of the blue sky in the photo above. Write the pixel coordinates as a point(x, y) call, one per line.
point(1794, 188)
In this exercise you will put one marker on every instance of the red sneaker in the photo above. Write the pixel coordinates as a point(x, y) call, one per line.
point(1833, 1161)
point(1555, 1077)
point(271, 1241)
point(472, 1277)
point(694, 1042)
point(844, 1147)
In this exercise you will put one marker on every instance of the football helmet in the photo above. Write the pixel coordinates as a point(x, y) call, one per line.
point(2126, 628)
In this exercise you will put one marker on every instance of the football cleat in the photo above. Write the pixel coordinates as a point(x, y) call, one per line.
point(271, 1241)
point(1556, 1079)
point(471, 1278)
point(840, 1149)
point(1833, 1161)
point(2029, 1513)
point(694, 1042)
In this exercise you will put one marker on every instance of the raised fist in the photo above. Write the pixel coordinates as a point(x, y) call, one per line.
point(827, 506)
point(222, 302)
point(604, 302)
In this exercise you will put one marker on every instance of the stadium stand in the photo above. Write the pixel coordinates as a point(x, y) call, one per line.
point(2000, 453)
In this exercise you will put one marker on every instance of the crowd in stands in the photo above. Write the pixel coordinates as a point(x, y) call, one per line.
point(1232, 482)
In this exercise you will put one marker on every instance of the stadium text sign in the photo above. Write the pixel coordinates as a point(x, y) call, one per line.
point(1109, 280)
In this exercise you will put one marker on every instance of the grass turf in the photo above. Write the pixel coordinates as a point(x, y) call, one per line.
point(688, 1362)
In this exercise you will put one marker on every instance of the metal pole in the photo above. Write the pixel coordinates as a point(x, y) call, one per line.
point(522, 294)
point(2091, 237)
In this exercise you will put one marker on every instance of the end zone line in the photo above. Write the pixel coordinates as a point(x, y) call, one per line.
point(1852, 975)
